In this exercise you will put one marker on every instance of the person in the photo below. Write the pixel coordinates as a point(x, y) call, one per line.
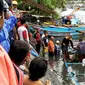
point(37, 70)
point(45, 43)
point(22, 31)
point(65, 45)
point(7, 71)
point(57, 50)
point(51, 48)
point(43, 35)
point(81, 50)
point(13, 33)
point(15, 11)
point(6, 25)
point(19, 53)
point(38, 40)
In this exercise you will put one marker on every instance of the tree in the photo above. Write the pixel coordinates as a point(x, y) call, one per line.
point(50, 4)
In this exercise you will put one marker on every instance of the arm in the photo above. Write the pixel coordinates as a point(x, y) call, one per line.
point(10, 22)
point(24, 33)
point(71, 43)
point(15, 34)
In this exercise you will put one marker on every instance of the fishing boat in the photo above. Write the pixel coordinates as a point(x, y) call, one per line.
point(61, 32)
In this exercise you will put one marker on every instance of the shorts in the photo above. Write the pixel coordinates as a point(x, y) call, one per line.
point(51, 55)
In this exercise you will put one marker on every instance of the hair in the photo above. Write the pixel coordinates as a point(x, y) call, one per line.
point(18, 51)
point(1, 5)
point(23, 20)
point(80, 40)
point(45, 31)
point(37, 68)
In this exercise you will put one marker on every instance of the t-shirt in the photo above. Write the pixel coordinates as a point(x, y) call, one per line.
point(23, 33)
point(81, 47)
point(45, 41)
point(9, 24)
point(57, 49)
point(51, 46)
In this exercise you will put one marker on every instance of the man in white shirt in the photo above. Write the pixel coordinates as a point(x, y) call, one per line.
point(23, 32)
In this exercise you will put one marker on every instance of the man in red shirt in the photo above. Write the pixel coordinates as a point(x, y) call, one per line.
point(38, 41)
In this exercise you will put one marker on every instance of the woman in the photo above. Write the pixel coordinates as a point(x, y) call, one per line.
point(6, 25)
point(37, 70)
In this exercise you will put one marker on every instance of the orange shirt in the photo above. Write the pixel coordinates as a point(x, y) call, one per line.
point(51, 46)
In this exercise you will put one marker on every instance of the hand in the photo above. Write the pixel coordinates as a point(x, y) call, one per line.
point(48, 82)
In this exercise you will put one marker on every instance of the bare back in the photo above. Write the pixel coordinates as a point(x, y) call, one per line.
point(27, 81)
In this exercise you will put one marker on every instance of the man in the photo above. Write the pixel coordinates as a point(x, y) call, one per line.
point(51, 48)
point(65, 44)
point(45, 43)
point(19, 54)
point(81, 50)
point(23, 32)
point(14, 9)
point(38, 40)
point(5, 26)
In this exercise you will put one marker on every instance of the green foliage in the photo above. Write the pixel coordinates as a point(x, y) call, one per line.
point(51, 4)
point(55, 16)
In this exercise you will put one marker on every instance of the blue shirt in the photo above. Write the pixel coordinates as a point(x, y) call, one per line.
point(4, 32)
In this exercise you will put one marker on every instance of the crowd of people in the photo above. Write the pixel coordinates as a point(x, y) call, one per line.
point(16, 41)
point(15, 50)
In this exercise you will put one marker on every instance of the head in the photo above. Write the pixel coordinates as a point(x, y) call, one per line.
point(37, 29)
point(1, 13)
point(23, 21)
point(80, 40)
point(4, 5)
point(46, 33)
point(68, 37)
point(37, 68)
point(19, 51)
point(52, 38)
point(57, 42)
point(15, 4)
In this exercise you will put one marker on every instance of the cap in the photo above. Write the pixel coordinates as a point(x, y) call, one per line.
point(52, 37)
point(57, 41)
point(14, 3)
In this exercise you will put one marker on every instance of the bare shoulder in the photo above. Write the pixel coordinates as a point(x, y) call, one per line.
point(26, 77)
point(29, 82)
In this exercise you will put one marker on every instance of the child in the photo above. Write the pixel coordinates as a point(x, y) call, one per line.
point(57, 50)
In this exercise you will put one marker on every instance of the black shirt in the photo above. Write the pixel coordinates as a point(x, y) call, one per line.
point(66, 42)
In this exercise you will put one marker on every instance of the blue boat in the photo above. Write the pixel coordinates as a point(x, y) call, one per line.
point(75, 32)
